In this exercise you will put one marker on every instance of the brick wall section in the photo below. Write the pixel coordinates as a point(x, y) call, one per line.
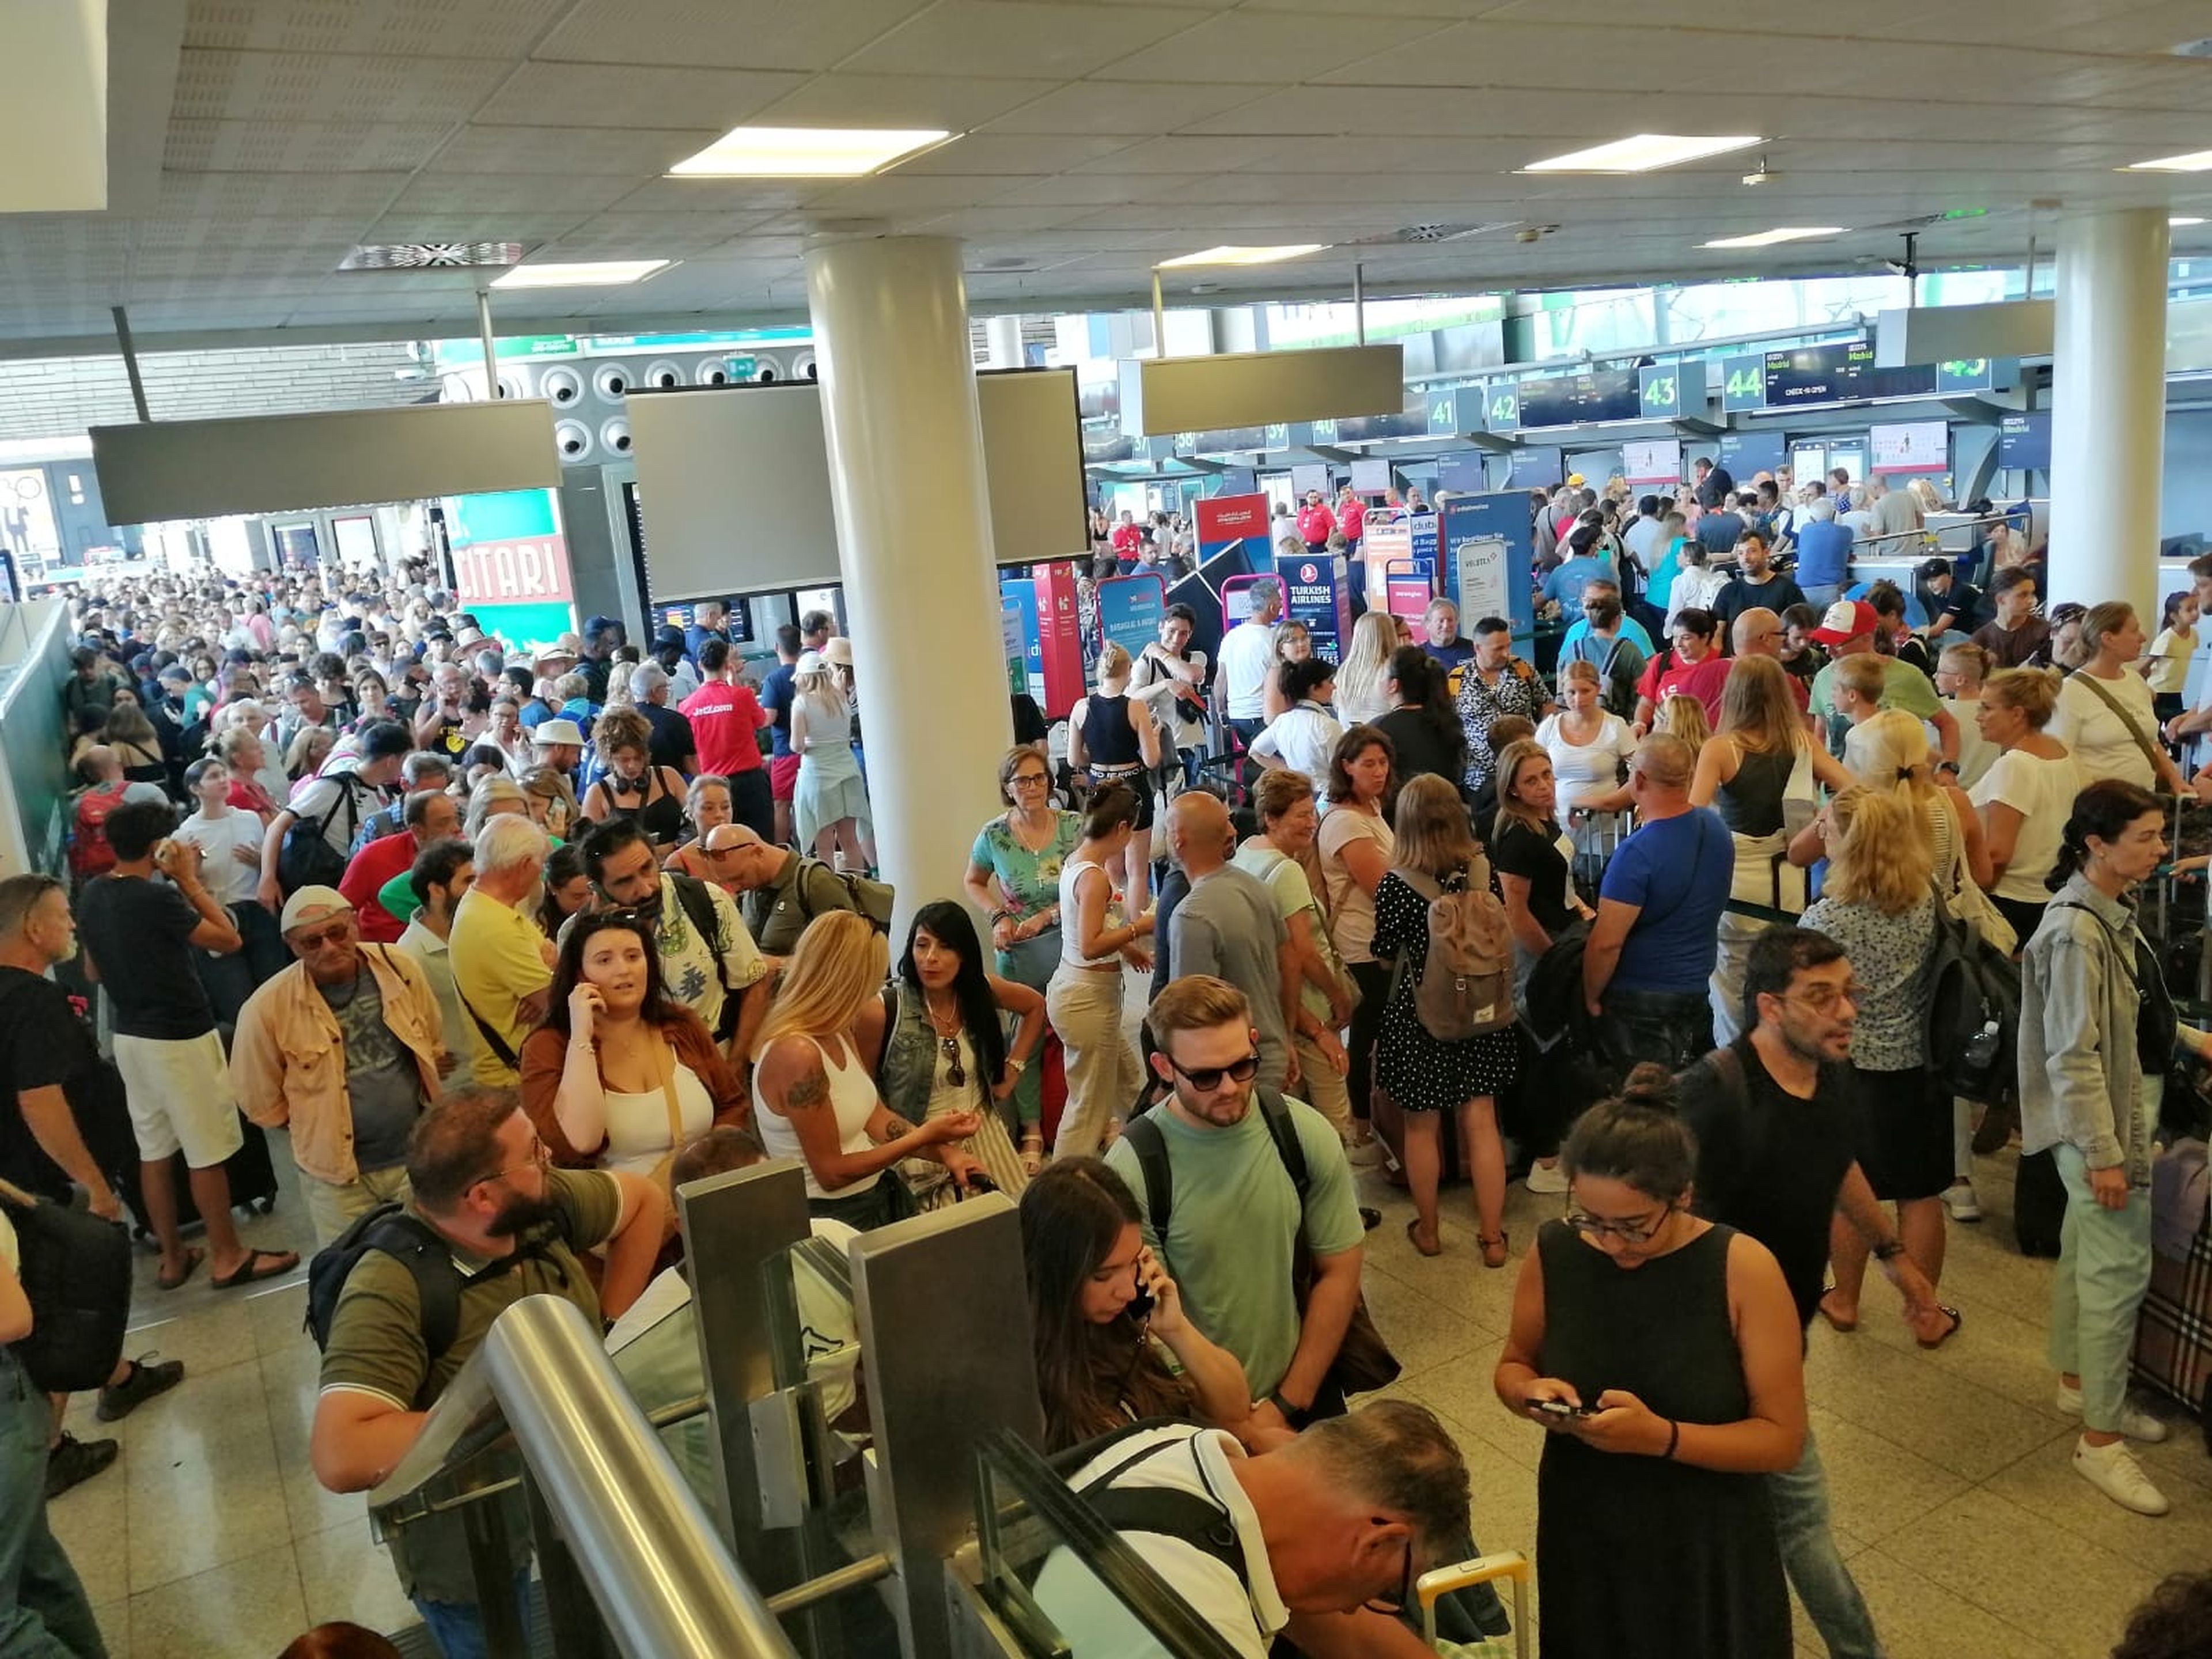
point(61, 397)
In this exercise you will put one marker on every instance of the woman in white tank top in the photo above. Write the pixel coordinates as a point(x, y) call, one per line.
point(813, 1099)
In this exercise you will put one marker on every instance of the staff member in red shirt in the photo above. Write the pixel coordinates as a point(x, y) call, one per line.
point(1316, 523)
point(727, 718)
point(1351, 519)
point(1128, 540)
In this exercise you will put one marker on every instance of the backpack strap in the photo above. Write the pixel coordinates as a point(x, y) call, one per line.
point(417, 1246)
point(698, 904)
point(1276, 1113)
point(1158, 1175)
point(493, 1040)
point(1184, 1516)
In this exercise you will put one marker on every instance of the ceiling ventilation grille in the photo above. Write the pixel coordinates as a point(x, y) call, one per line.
point(1433, 232)
point(433, 256)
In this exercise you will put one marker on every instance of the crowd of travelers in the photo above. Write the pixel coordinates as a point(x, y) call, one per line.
point(507, 942)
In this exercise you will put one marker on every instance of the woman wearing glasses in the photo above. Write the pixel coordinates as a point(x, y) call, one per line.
point(813, 1099)
point(621, 1074)
point(1114, 1345)
point(937, 1035)
point(1661, 1353)
point(1014, 878)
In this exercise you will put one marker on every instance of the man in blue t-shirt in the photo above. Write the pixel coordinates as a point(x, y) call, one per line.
point(1583, 565)
point(1653, 945)
point(1824, 554)
point(775, 696)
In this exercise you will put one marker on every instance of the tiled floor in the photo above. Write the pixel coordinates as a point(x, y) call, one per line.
point(1969, 1534)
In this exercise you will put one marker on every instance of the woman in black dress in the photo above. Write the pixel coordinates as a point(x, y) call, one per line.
point(1661, 1352)
point(1436, 852)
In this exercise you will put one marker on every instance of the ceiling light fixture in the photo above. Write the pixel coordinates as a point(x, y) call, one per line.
point(1232, 255)
point(807, 152)
point(2197, 161)
point(591, 273)
point(1780, 233)
point(1641, 153)
point(2183, 221)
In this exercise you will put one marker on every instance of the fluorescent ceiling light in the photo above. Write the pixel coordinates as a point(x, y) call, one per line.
point(1232, 255)
point(1642, 154)
point(592, 273)
point(2183, 221)
point(805, 152)
point(2197, 161)
point(1780, 233)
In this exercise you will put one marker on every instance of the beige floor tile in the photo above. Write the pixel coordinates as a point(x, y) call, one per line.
point(275, 1318)
point(1932, 1413)
point(1876, 1487)
point(206, 1338)
point(1995, 1351)
point(347, 1575)
point(2045, 1484)
point(90, 1521)
point(205, 1489)
point(1461, 1393)
point(2033, 1574)
point(245, 1609)
point(114, 1620)
point(1919, 1618)
point(1419, 1330)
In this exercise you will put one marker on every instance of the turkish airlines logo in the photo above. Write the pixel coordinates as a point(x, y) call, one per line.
point(1308, 573)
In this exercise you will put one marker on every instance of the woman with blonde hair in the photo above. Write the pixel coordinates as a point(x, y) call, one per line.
point(1896, 760)
point(1877, 903)
point(812, 1097)
point(1282, 856)
point(2106, 715)
point(1590, 748)
point(493, 794)
point(2025, 796)
point(1293, 643)
point(551, 799)
point(1757, 771)
point(830, 801)
point(1683, 716)
point(1362, 678)
point(1436, 853)
point(1112, 738)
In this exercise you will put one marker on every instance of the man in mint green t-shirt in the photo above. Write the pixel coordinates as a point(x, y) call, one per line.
point(1234, 1216)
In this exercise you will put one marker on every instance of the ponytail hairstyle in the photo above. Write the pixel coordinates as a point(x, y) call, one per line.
point(2104, 810)
point(1635, 1138)
point(1298, 679)
point(1426, 690)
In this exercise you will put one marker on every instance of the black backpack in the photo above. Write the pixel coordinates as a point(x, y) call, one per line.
point(307, 859)
point(414, 1242)
point(76, 1273)
point(1971, 1020)
point(699, 905)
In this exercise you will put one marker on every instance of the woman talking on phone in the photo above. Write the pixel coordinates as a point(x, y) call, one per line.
point(1662, 1353)
point(1108, 1320)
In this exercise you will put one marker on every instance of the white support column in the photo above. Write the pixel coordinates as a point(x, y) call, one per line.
point(2108, 408)
point(913, 535)
point(1002, 342)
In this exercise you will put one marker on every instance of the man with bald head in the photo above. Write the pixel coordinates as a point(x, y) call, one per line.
point(1226, 925)
point(778, 892)
point(1757, 632)
point(1651, 949)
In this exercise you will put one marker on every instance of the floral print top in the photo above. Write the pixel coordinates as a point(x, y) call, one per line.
point(1031, 880)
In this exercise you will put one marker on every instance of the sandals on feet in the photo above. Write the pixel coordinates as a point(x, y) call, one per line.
point(193, 1257)
point(1835, 1323)
point(1957, 1320)
point(1494, 1247)
point(1434, 1247)
point(258, 1265)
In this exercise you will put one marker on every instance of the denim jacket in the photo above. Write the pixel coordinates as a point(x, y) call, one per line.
point(2081, 1080)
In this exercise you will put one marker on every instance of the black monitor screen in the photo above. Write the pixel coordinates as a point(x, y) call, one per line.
point(1610, 394)
point(1461, 472)
point(1744, 455)
point(2024, 441)
point(1840, 374)
point(1537, 466)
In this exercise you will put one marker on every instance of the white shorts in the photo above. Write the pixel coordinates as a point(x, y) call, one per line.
point(180, 1098)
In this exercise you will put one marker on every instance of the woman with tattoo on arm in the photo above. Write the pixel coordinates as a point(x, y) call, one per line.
point(813, 1099)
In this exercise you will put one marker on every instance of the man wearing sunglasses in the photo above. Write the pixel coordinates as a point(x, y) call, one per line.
point(483, 1194)
point(344, 1048)
point(1320, 1539)
point(1234, 1216)
point(1777, 1129)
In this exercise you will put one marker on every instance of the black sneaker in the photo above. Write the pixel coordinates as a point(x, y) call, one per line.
point(73, 1461)
point(1369, 1217)
point(149, 1376)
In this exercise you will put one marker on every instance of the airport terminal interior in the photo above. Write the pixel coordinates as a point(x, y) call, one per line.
point(1205, 619)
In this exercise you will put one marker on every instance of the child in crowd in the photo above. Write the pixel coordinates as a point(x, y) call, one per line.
point(2166, 664)
point(1959, 672)
point(1860, 682)
point(1683, 716)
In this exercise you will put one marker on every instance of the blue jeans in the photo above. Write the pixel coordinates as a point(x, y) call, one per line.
point(43, 1611)
point(1817, 1573)
point(458, 1626)
point(1821, 595)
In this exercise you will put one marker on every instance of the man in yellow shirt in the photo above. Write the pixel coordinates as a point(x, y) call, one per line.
point(503, 964)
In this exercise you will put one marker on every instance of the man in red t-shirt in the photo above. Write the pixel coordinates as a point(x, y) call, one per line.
point(1316, 523)
point(429, 815)
point(1351, 518)
point(727, 718)
point(1127, 539)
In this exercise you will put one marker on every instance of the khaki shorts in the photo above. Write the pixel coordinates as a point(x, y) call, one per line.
point(332, 1207)
point(180, 1098)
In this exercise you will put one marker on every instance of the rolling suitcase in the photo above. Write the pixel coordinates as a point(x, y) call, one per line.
point(253, 1178)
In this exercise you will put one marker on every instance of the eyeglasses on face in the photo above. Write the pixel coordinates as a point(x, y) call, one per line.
point(336, 932)
point(1207, 1078)
point(1627, 1231)
point(1824, 999)
point(539, 1158)
point(1028, 780)
point(1404, 1598)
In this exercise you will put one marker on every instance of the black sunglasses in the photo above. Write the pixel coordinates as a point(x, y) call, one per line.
point(1207, 1079)
point(953, 1073)
point(1404, 1599)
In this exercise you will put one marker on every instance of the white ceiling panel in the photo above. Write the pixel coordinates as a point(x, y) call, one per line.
point(1099, 188)
point(738, 198)
point(493, 194)
point(627, 95)
point(722, 33)
point(397, 29)
point(1280, 46)
point(301, 146)
point(1015, 38)
point(257, 85)
point(626, 151)
point(506, 225)
point(899, 100)
point(1133, 108)
point(899, 193)
point(1491, 53)
point(272, 195)
point(1186, 156)
point(1000, 153)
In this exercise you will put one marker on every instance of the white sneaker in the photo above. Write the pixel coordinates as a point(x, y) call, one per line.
point(1546, 1177)
point(1960, 1200)
point(2134, 1424)
point(2113, 1471)
point(1363, 1154)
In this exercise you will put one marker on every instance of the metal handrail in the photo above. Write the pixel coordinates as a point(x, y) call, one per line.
point(663, 1582)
